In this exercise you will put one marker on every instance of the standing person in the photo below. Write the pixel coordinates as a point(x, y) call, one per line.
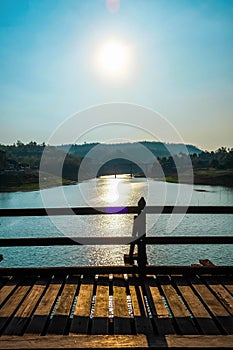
point(138, 231)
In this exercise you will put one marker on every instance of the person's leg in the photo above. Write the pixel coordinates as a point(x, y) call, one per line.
point(131, 251)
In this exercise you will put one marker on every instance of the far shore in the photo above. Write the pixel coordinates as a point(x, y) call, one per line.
point(30, 187)
point(206, 177)
point(201, 177)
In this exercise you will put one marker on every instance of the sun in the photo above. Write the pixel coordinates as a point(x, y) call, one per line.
point(113, 59)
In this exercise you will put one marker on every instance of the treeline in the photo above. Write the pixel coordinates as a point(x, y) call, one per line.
point(21, 163)
point(158, 149)
point(28, 156)
point(21, 155)
point(221, 159)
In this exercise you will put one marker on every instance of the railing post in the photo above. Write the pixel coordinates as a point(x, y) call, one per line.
point(142, 257)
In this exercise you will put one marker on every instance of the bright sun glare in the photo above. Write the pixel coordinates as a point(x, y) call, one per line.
point(113, 59)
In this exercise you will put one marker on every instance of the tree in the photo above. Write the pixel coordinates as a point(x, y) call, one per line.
point(214, 163)
point(19, 143)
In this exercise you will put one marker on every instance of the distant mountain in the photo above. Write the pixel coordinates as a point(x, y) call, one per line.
point(20, 164)
point(124, 157)
point(159, 149)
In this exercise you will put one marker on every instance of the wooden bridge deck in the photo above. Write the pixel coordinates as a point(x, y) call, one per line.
point(118, 306)
point(114, 310)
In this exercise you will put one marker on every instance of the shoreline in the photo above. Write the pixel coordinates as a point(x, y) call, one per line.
point(35, 187)
point(207, 178)
point(203, 178)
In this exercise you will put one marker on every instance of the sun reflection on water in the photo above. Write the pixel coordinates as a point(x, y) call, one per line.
point(114, 191)
point(111, 193)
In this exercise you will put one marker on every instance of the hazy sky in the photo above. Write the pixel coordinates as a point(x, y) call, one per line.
point(178, 61)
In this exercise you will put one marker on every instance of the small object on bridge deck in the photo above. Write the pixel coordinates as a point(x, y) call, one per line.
point(206, 262)
point(130, 260)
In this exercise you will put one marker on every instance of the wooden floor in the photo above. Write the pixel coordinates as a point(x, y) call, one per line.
point(116, 311)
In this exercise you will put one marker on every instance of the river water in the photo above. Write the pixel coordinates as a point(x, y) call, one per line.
point(122, 191)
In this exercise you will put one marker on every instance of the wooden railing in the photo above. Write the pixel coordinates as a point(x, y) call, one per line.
point(141, 241)
point(116, 210)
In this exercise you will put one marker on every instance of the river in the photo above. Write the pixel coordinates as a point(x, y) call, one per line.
point(122, 191)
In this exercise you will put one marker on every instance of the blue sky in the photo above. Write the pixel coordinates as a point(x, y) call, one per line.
point(181, 64)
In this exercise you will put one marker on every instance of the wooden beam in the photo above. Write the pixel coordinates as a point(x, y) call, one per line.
point(189, 209)
point(200, 341)
point(74, 341)
point(189, 240)
point(115, 240)
point(115, 341)
point(68, 211)
point(116, 210)
point(120, 269)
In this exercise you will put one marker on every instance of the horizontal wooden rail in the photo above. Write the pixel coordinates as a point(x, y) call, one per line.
point(116, 210)
point(68, 211)
point(189, 240)
point(120, 269)
point(66, 241)
point(189, 210)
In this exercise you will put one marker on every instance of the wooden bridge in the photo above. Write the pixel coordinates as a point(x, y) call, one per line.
point(135, 305)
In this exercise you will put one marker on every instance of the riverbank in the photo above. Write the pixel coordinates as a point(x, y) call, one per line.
point(210, 177)
point(36, 186)
point(29, 181)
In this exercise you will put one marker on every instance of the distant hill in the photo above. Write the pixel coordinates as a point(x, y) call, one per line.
point(125, 157)
point(158, 149)
point(20, 163)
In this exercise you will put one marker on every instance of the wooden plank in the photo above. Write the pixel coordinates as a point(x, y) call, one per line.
point(6, 290)
point(43, 310)
point(227, 283)
point(120, 269)
point(142, 321)
point(21, 317)
point(80, 322)
point(114, 341)
point(75, 341)
point(160, 312)
point(63, 308)
point(200, 341)
point(201, 315)
point(179, 311)
point(122, 323)
point(101, 311)
point(84, 300)
point(135, 302)
point(220, 314)
point(101, 304)
point(120, 301)
point(220, 292)
point(13, 303)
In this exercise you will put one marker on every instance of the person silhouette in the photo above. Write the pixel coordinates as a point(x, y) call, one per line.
point(139, 234)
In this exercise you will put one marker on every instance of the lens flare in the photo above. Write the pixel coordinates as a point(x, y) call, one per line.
point(113, 5)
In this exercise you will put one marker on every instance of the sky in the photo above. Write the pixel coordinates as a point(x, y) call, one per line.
point(176, 58)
